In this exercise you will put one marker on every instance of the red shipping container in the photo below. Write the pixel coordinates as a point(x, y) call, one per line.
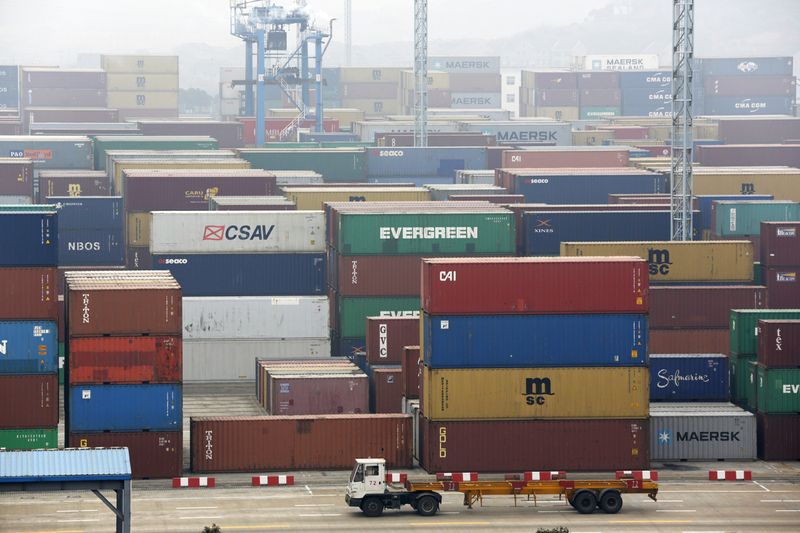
point(321, 394)
point(51, 97)
point(28, 400)
point(387, 338)
point(783, 287)
point(58, 78)
point(689, 341)
point(412, 372)
point(598, 80)
point(96, 360)
point(263, 443)
point(556, 98)
point(96, 115)
point(627, 132)
point(273, 127)
point(746, 155)
point(376, 275)
point(386, 389)
point(29, 293)
point(154, 454)
point(778, 437)
point(758, 129)
point(779, 343)
point(780, 244)
point(701, 307)
point(534, 285)
point(594, 445)
point(228, 134)
point(16, 177)
point(569, 157)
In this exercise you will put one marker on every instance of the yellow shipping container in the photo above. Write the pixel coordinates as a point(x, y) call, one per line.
point(674, 261)
point(143, 99)
point(121, 165)
point(524, 393)
point(138, 229)
point(142, 82)
point(369, 74)
point(136, 63)
point(558, 113)
point(374, 107)
point(436, 80)
point(591, 137)
point(783, 184)
point(313, 198)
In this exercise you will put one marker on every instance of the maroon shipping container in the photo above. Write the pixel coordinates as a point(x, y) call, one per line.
point(387, 337)
point(650, 199)
point(779, 343)
point(29, 293)
point(552, 80)
point(748, 86)
point(189, 189)
point(412, 372)
point(534, 285)
point(62, 300)
point(758, 129)
point(778, 437)
point(264, 443)
point(598, 80)
point(131, 115)
point(780, 243)
point(471, 82)
point(154, 454)
point(150, 359)
point(10, 127)
point(434, 139)
point(64, 98)
point(73, 183)
point(28, 400)
point(626, 132)
point(783, 287)
point(689, 341)
point(557, 157)
point(58, 78)
point(386, 389)
point(16, 177)
point(601, 97)
point(229, 134)
point(557, 98)
point(701, 307)
point(500, 199)
point(592, 445)
point(96, 115)
point(746, 155)
point(377, 275)
point(318, 394)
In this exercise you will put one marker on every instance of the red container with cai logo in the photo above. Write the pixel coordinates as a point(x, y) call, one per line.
point(388, 336)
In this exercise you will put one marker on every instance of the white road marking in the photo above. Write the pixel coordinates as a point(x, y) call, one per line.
point(79, 511)
point(313, 505)
point(787, 510)
point(321, 514)
point(190, 508)
point(309, 490)
point(198, 517)
point(771, 501)
point(555, 511)
point(676, 510)
point(661, 501)
point(449, 512)
point(80, 520)
point(762, 486)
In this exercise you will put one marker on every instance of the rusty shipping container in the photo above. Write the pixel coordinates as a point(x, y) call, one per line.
point(29, 293)
point(701, 307)
point(412, 372)
point(28, 400)
point(780, 244)
point(153, 454)
point(375, 275)
point(293, 394)
point(778, 437)
point(386, 389)
point(151, 359)
point(566, 157)
point(255, 444)
point(515, 446)
point(689, 341)
point(387, 338)
point(779, 343)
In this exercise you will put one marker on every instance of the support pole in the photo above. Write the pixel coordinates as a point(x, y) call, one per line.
point(682, 120)
point(306, 97)
point(248, 68)
point(318, 83)
point(260, 96)
point(420, 72)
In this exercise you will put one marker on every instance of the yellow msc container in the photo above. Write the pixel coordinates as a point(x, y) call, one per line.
point(314, 198)
point(370, 74)
point(143, 99)
point(142, 82)
point(781, 182)
point(525, 393)
point(138, 229)
point(121, 165)
point(674, 261)
point(140, 63)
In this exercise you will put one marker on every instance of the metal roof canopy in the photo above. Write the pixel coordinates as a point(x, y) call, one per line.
point(93, 469)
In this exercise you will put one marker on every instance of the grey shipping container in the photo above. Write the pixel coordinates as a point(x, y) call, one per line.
point(523, 131)
point(63, 153)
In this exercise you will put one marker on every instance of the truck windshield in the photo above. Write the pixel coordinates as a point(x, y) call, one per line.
point(358, 473)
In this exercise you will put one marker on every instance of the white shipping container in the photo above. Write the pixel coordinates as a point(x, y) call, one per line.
point(477, 177)
point(523, 131)
point(441, 192)
point(367, 129)
point(475, 100)
point(235, 360)
point(246, 232)
point(255, 317)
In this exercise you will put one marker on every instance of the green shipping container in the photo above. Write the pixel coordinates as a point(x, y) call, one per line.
point(744, 218)
point(778, 390)
point(28, 439)
point(751, 385)
point(335, 164)
point(597, 113)
point(744, 327)
point(150, 142)
point(353, 312)
point(740, 377)
point(426, 233)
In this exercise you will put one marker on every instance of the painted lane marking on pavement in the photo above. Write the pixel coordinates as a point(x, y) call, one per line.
point(432, 523)
point(190, 508)
point(780, 501)
point(762, 486)
point(199, 517)
point(650, 521)
point(676, 510)
point(660, 501)
point(78, 511)
point(259, 526)
point(309, 491)
point(80, 520)
point(314, 505)
point(787, 510)
point(320, 514)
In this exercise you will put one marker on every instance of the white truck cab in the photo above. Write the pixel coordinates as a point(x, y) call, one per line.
point(368, 490)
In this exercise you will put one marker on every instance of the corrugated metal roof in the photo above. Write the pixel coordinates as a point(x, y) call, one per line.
point(65, 465)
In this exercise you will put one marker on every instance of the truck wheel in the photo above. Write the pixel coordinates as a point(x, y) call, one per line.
point(372, 507)
point(611, 501)
point(585, 502)
point(427, 506)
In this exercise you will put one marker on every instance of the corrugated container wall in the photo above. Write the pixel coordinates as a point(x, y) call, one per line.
point(153, 454)
point(779, 343)
point(153, 407)
point(686, 434)
point(689, 378)
point(744, 326)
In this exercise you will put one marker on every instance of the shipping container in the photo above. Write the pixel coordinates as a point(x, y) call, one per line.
point(149, 64)
point(533, 285)
point(246, 274)
point(430, 161)
point(600, 98)
point(34, 398)
point(701, 434)
point(251, 203)
point(556, 97)
point(645, 79)
point(778, 390)
point(521, 393)
point(499, 199)
point(29, 439)
point(504, 446)
point(102, 143)
point(201, 166)
point(29, 293)
point(598, 80)
point(265, 369)
point(317, 394)
point(744, 155)
point(58, 97)
point(745, 130)
point(235, 444)
point(744, 326)
point(780, 244)
point(779, 343)
point(9, 87)
point(387, 338)
point(73, 183)
point(780, 182)
point(99, 360)
point(152, 407)
point(76, 120)
point(412, 372)
point(745, 66)
point(569, 157)
point(600, 112)
point(87, 212)
point(581, 186)
point(748, 104)
point(740, 86)
point(706, 201)
point(144, 82)
point(680, 341)
point(153, 454)
point(49, 152)
point(312, 198)
point(137, 100)
point(744, 218)
point(349, 318)
point(689, 378)
point(16, 176)
point(701, 307)
point(386, 389)
point(228, 134)
point(522, 131)
point(440, 193)
point(91, 247)
point(28, 347)
point(783, 286)
point(742, 381)
point(335, 164)
point(375, 275)
point(778, 437)
point(30, 236)
point(58, 78)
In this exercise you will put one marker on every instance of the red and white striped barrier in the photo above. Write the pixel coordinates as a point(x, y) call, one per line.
point(457, 476)
point(730, 475)
point(545, 476)
point(272, 481)
point(640, 475)
point(193, 482)
point(396, 477)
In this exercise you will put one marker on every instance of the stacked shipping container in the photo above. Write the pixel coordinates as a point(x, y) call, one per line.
point(16, 180)
point(90, 230)
point(780, 263)
point(142, 86)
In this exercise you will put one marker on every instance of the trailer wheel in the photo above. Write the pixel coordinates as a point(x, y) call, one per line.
point(611, 501)
point(372, 507)
point(585, 502)
point(427, 506)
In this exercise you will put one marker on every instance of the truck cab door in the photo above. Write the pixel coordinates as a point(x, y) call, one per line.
point(374, 478)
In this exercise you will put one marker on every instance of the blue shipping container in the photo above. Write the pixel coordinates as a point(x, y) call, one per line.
point(430, 161)
point(125, 407)
point(586, 188)
point(746, 66)
point(647, 97)
point(545, 231)
point(689, 378)
point(9, 87)
point(65, 152)
point(246, 274)
point(28, 347)
point(418, 181)
point(29, 238)
point(520, 341)
point(645, 79)
point(704, 202)
point(88, 212)
point(654, 110)
point(755, 105)
point(91, 247)
point(348, 346)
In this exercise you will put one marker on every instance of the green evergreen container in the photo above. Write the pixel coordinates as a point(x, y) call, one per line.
point(735, 218)
point(353, 312)
point(28, 439)
point(444, 233)
point(148, 142)
point(778, 390)
point(599, 113)
point(335, 164)
point(740, 377)
point(758, 274)
point(751, 385)
point(744, 327)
